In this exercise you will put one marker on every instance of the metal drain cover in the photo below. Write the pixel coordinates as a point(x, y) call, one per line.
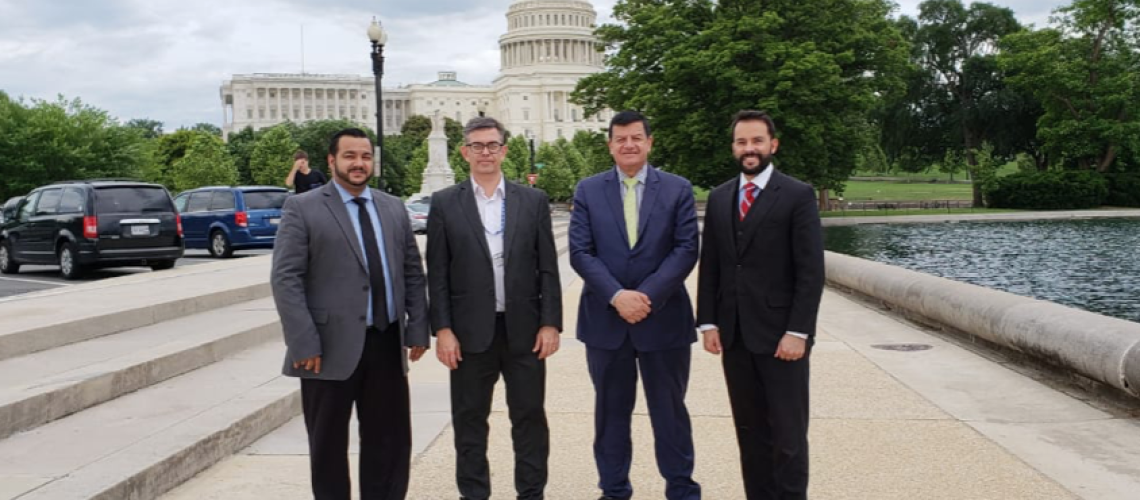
point(903, 347)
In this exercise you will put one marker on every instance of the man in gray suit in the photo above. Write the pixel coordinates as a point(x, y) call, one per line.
point(496, 308)
point(349, 287)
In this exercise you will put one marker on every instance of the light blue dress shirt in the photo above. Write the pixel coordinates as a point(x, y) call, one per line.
point(354, 214)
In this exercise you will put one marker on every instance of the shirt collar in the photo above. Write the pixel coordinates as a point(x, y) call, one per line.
point(500, 190)
point(347, 197)
point(761, 181)
point(641, 175)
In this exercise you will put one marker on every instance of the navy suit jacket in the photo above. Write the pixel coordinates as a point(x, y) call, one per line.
point(665, 254)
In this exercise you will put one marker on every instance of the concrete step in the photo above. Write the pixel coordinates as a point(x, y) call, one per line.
point(44, 386)
point(143, 444)
point(39, 321)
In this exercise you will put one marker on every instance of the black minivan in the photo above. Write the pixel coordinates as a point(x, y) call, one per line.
point(81, 225)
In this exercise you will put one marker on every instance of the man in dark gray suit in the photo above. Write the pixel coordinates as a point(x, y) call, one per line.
point(349, 287)
point(496, 308)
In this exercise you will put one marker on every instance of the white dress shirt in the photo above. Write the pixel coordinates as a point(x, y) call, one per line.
point(761, 181)
point(491, 213)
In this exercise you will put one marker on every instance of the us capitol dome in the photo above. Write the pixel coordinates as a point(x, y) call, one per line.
point(549, 45)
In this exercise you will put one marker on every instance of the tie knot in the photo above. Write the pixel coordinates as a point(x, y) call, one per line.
point(359, 201)
point(629, 181)
point(751, 188)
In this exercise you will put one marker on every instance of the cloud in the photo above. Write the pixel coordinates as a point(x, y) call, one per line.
point(166, 60)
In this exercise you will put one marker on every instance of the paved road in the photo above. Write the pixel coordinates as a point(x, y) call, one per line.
point(36, 278)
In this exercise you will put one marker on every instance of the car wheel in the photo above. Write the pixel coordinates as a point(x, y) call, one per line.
point(7, 264)
point(69, 265)
point(220, 245)
point(162, 265)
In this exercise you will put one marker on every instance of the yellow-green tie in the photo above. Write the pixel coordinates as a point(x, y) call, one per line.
point(631, 209)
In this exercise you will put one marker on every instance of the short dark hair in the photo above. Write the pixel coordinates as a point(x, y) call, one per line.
point(627, 118)
point(300, 155)
point(348, 132)
point(751, 115)
point(483, 123)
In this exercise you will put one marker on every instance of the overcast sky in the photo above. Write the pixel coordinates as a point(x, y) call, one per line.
point(166, 59)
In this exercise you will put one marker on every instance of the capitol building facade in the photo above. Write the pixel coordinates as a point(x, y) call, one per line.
point(548, 47)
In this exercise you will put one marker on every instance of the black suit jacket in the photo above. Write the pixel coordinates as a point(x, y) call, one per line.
point(461, 283)
point(764, 274)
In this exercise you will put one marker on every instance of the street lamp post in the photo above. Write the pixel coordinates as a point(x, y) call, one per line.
point(379, 37)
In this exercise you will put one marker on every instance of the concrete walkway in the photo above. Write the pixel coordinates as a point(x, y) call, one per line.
point(942, 423)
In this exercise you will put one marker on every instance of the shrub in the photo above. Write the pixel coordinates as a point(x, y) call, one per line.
point(1053, 190)
point(1124, 189)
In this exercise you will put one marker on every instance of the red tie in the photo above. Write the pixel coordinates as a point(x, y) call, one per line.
point(750, 191)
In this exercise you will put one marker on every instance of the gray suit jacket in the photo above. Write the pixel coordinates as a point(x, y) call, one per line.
point(320, 282)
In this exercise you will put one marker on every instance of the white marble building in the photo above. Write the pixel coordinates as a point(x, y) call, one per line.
point(549, 45)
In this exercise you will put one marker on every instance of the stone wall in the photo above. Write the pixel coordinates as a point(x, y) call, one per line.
point(1096, 347)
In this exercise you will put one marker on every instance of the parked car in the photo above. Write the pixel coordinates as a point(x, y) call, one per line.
point(418, 216)
point(81, 225)
point(8, 209)
point(224, 219)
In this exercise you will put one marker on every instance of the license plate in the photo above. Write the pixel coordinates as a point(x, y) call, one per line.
point(140, 230)
point(273, 221)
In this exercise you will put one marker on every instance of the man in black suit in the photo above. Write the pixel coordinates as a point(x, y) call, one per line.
point(496, 308)
point(761, 279)
point(349, 287)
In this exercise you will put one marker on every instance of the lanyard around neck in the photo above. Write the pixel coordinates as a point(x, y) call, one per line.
point(502, 218)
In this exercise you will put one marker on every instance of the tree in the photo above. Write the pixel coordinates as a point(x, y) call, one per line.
point(207, 163)
point(595, 150)
point(574, 160)
point(555, 177)
point(416, 128)
point(454, 132)
point(416, 166)
point(955, 46)
point(459, 165)
point(170, 149)
point(1085, 73)
point(240, 146)
point(313, 137)
point(518, 157)
point(207, 128)
point(272, 157)
point(150, 129)
point(818, 66)
point(48, 141)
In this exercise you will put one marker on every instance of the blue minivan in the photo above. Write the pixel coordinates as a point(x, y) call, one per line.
point(222, 219)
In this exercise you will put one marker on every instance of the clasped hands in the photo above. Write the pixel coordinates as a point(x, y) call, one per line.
point(632, 305)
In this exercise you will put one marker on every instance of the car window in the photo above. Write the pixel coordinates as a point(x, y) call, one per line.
point(222, 201)
point(49, 202)
point(132, 199)
point(72, 201)
point(199, 202)
point(264, 200)
point(418, 208)
point(10, 207)
point(26, 210)
point(180, 202)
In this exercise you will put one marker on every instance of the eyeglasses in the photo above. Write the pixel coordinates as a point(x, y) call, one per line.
point(490, 147)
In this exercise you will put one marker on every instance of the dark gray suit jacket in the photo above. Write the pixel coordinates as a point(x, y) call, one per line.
point(461, 278)
point(320, 281)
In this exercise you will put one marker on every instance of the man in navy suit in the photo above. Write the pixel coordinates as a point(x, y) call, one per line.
point(633, 240)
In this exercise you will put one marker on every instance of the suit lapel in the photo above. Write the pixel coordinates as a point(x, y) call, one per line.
point(388, 230)
point(340, 214)
point(648, 198)
point(724, 197)
point(471, 211)
point(514, 211)
point(613, 194)
point(768, 198)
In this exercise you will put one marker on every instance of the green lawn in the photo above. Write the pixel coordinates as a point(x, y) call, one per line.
point(880, 213)
point(904, 191)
